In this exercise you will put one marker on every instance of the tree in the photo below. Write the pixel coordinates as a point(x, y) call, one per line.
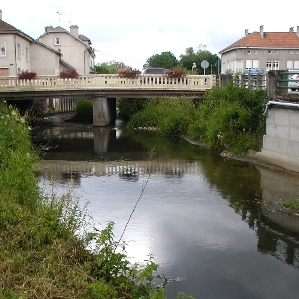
point(109, 67)
point(190, 56)
point(165, 59)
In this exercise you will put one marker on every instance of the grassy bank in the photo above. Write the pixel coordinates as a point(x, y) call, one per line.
point(230, 118)
point(42, 253)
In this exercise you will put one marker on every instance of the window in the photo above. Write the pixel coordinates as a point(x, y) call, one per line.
point(2, 48)
point(252, 64)
point(272, 65)
point(297, 52)
point(27, 54)
point(19, 50)
point(276, 52)
point(57, 41)
point(249, 52)
point(256, 52)
point(290, 52)
point(292, 65)
point(270, 52)
point(275, 65)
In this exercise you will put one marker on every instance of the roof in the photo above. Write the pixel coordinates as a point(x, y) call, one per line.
point(269, 40)
point(82, 39)
point(6, 28)
point(46, 46)
point(85, 39)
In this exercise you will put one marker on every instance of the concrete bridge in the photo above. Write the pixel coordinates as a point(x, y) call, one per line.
point(104, 89)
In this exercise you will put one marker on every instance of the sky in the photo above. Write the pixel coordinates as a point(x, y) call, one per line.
point(131, 31)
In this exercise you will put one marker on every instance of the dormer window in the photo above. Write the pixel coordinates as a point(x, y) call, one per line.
point(57, 41)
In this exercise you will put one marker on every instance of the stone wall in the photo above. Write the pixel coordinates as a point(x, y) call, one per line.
point(281, 142)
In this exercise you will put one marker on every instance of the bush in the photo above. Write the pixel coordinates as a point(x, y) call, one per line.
point(129, 107)
point(17, 180)
point(84, 109)
point(230, 118)
point(27, 75)
point(130, 73)
point(69, 73)
point(176, 73)
point(170, 116)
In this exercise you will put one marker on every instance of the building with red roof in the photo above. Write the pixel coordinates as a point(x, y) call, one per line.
point(260, 51)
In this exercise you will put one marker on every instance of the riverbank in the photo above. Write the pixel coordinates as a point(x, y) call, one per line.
point(44, 237)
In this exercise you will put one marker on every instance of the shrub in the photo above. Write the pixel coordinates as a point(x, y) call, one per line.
point(230, 118)
point(69, 73)
point(84, 109)
point(130, 73)
point(27, 75)
point(176, 73)
point(129, 107)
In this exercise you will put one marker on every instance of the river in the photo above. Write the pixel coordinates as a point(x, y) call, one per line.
point(211, 223)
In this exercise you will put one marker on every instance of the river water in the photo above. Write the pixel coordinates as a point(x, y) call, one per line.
point(211, 223)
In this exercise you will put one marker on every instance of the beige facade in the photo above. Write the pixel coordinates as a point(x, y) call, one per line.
point(74, 50)
point(262, 51)
point(14, 50)
point(45, 61)
point(55, 50)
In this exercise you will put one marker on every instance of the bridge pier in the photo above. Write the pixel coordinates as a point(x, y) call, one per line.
point(104, 111)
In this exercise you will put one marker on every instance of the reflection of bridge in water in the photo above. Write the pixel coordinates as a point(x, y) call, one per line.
point(169, 167)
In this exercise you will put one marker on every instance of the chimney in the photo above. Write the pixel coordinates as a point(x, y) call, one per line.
point(0, 14)
point(291, 29)
point(262, 31)
point(246, 32)
point(48, 28)
point(74, 30)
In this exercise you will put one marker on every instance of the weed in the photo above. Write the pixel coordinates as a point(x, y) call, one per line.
point(291, 203)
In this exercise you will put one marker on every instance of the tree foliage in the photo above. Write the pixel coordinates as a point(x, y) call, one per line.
point(191, 56)
point(108, 67)
point(165, 59)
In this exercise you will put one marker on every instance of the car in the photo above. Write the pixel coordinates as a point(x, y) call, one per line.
point(155, 70)
point(293, 85)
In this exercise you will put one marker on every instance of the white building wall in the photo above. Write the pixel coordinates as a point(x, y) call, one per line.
point(281, 142)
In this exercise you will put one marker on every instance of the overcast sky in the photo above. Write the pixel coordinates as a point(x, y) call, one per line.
point(133, 30)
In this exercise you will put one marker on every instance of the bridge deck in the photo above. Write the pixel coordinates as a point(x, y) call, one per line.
point(111, 85)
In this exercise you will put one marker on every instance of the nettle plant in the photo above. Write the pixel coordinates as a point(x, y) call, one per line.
point(130, 73)
point(69, 73)
point(27, 75)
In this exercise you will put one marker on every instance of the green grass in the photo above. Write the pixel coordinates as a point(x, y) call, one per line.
point(291, 203)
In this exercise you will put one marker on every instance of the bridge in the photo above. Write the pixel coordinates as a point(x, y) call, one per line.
point(104, 89)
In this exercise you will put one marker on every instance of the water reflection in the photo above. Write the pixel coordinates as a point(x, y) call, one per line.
point(211, 220)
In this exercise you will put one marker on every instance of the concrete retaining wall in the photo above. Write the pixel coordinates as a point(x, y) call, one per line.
point(281, 142)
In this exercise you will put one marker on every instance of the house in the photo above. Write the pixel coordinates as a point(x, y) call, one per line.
point(75, 48)
point(14, 49)
point(259, 52)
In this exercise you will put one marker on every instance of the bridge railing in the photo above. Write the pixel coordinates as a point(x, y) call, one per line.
point(108, 81)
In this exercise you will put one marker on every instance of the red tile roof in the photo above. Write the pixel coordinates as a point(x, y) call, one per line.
point(270, 40)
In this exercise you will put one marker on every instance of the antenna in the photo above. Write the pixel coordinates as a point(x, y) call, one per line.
point(60, 13)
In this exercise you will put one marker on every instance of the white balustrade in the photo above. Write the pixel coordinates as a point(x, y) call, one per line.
point(108, 82)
